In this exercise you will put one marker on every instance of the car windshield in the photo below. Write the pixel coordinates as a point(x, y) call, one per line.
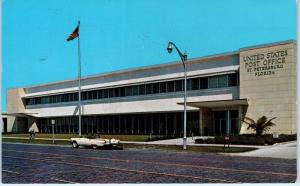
point(91, 137)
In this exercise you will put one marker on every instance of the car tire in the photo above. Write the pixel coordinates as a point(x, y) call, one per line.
point(94, 147)
point(74, 145)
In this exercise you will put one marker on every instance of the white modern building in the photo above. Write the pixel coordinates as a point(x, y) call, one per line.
point(221, 90)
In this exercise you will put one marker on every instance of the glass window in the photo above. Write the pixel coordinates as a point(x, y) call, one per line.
point(135, 90)
point(162, 87)
point(222, 81)
point(142, 90)
point(148, 88)
point(233, 79)
point(203, 83)
point(54, 100)
point(45, 100)
point(59, 98)
point(110, 93)
point(29, 101)
point(95, 96)
point(99, 94)
point(170, 85)
point(195, 83)
point(71, 97)
point(84, 95)
point(51, 99)
point(105, 93)
point(38, 100)
point(178, 85)
point(188, 84)
point(122, 91)
point(116, 92)
point(155, 88)
point(128, 91)
point(76, 96)
point(90, 95)
point(234, 114)
point(65, 98)
point(213, 82)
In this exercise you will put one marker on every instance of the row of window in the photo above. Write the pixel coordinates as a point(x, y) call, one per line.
point(156, 123)
point(144, 89)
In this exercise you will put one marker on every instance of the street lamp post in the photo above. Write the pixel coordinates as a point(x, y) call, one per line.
point(53, 123)
point(184, 60)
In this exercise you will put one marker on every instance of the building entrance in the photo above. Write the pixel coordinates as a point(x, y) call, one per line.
point(226, 122)
point(220, 122)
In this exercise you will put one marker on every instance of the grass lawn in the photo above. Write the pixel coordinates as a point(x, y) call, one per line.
point(68, 136)
point(173, 148)
point(211, 149)
point(35, 141)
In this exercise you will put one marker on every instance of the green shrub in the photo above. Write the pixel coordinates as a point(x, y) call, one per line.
point(205, 141)
point(199, 141)
point(155, 138)
point(249, 139)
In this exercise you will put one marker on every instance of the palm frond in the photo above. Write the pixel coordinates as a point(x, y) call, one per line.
point(261, 125)
point(271, 120)
point(252, 126)
point(249, 119)
point(262, 120)
point(268, 125)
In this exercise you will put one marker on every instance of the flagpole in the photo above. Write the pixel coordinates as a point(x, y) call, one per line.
point(79, 83)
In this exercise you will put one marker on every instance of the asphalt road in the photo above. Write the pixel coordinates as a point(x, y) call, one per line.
point(53, 164)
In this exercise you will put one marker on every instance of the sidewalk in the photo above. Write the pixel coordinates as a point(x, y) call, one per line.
point(191, 142)
point(287, 150)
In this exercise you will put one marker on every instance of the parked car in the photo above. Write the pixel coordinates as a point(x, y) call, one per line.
point(95, 142)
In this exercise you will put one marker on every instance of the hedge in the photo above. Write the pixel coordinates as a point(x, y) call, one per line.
point(249, 139)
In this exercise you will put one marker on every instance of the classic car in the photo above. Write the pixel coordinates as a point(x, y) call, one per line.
point(94, 142)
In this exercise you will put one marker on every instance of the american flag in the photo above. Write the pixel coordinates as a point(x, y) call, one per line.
point(74, 34)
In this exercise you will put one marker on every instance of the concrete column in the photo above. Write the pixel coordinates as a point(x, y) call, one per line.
point(240, 117)
point(101, 124)
point(145, 124)
point(119, 124)
point(200, 121)
point(159, 124)
point(175, 122)
point(92, 125)
point(125, 119)
point(132, 124)
point(107, 124)
point(228, 122)
point(97, 124)
point(166, 124)
point(151, 123)
point(69, 124)
point(114, 124)
point(138, 120)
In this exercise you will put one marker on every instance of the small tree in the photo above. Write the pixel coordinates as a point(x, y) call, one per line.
point(260, 126)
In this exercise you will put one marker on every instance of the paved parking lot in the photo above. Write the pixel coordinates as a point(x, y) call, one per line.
point(53, 164)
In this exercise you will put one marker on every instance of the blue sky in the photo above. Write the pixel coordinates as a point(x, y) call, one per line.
point(121, 34)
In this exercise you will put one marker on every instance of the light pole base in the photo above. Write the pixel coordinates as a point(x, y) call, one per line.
point(184, 143)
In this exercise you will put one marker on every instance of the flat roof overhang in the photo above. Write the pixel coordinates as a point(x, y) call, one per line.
point(20, 114)
point(217, 103)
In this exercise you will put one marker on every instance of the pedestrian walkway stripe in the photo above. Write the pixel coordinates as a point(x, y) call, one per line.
point(13, 172)
point(65, 181)
point(166, 164)
point(126, 170)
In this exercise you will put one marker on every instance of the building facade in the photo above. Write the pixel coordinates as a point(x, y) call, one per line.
point(221, 90)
